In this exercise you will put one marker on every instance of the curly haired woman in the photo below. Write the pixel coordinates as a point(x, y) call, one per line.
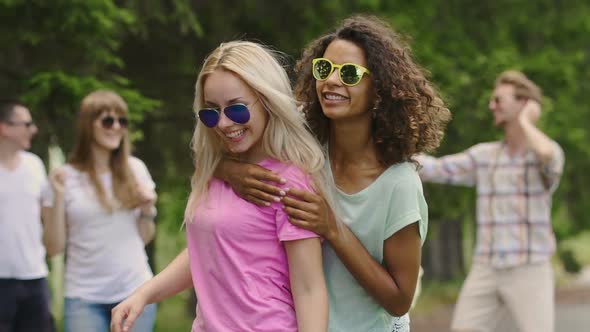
point(373, 108)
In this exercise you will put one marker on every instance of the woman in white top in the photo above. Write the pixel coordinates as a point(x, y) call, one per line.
point(104, 209)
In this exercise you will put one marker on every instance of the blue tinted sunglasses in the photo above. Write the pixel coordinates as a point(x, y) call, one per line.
point(238, 113)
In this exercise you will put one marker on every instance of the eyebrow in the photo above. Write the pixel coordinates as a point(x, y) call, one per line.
point(230, 102)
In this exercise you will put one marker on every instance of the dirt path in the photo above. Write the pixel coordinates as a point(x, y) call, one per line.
point(572, 314)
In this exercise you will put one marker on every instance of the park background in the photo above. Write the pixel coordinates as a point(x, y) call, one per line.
point(55, 52)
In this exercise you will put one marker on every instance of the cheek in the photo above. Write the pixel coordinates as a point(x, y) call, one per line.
point(362, 97)
point(512, 109)
point(100, 136)
point(96, 135)
point(218, 134)
point(258, 119)
point(260, 125)
point(97, 131)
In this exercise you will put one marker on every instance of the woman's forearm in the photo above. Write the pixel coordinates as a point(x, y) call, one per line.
point(54, 226)
point(146, 226)
point(369, 273)
point(175, 278)
point(311, 308)
point(308, 284)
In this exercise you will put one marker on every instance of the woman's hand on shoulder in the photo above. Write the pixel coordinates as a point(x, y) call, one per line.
point(311, 211)
point(250, 182)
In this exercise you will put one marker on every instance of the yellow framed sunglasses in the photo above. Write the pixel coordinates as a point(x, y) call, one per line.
point(350, 74)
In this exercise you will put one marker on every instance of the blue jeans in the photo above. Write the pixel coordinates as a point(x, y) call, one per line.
point(81, 315)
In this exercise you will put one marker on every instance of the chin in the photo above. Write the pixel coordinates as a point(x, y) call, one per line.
point(238, 149)
point(112, 145)
point(333, 114)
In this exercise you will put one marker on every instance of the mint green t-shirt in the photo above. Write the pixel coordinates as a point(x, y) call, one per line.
point(394, 200)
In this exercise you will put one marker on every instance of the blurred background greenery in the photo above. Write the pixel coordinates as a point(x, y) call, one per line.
point(150, 51)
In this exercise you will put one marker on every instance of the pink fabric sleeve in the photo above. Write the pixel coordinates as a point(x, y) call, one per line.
point(286, 231)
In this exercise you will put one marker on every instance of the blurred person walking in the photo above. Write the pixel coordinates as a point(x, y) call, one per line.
point(103, 209)
point(24, 292)
point(515, 179)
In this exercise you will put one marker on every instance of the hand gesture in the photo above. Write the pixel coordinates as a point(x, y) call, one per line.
point(311, 211)
point(57, 179)
point(123, 316)
point(248, 181)
point(531, 111)
point(146, 195)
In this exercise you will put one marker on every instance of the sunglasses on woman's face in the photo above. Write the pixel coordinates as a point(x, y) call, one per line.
point(350, 74)
point(109, 121)
point(238, 113)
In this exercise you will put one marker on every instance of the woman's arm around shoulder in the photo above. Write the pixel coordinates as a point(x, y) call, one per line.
point(250, 181)
point(392, 283)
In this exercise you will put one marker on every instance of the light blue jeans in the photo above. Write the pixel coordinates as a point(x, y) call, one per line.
point(81, 315)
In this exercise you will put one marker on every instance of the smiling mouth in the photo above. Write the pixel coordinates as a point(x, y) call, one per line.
point(333, 96)
point(235, 134)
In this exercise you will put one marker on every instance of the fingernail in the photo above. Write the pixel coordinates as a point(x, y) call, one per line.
point(287, 190)
point(282, 193)
point(282, 206)
point(267, 203)
point(283, 180)
point(276, 199)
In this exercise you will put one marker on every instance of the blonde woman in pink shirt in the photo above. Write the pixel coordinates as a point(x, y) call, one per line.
point(252, 270)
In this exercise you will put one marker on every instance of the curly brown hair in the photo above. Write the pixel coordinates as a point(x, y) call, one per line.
point(409, 115)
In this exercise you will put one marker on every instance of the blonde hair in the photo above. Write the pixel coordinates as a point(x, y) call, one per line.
point(124, 182)
point(523, 86)
point(285, 138)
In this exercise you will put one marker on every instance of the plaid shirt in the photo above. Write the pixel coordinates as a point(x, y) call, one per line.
point(513, 200)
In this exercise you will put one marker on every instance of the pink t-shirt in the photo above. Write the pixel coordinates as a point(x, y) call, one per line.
point(238, 262)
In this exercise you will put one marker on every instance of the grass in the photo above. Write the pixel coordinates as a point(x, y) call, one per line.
point(437, 293)
point(173, 314)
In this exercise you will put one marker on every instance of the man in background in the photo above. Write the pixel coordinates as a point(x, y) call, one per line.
point(515, 179)
point(24, 299)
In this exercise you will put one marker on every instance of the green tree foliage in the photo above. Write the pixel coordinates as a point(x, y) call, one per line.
point(54, 52)
point(466, 45)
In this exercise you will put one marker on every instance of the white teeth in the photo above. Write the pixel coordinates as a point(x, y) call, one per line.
point(332, 96)
point(236, 133)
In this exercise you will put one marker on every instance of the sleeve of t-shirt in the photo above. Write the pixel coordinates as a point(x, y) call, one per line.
point(285, 230)
point(406, 207)
point(552, 170)
point(141, 173)
point(46, 190)
point(455, 169)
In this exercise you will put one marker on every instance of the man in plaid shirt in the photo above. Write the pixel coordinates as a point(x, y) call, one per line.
point(515, 179)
